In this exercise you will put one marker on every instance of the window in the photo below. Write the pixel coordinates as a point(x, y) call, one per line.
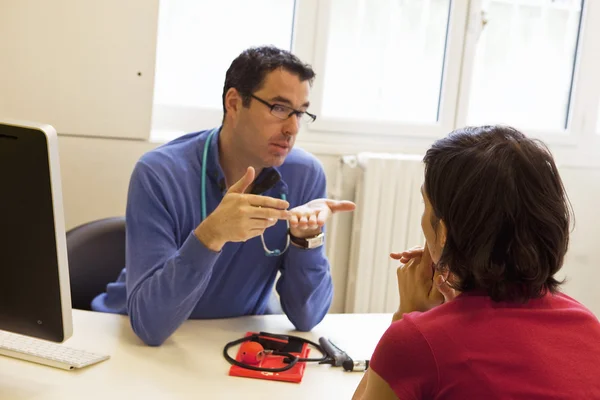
point(524, 63)
point(198, 39)
point(392, 71)
point(385, 60)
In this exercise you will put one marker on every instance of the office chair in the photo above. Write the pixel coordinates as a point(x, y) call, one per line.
point(96, 252)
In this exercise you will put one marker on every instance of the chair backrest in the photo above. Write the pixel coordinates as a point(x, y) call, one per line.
point(96, 257)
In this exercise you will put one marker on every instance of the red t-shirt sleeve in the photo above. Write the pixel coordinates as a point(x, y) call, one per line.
point(404, 360)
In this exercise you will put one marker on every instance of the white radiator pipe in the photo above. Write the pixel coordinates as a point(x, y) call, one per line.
point(351, 161)
point(360, 159)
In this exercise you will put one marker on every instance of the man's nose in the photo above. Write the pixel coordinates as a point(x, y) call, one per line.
point(292, 125)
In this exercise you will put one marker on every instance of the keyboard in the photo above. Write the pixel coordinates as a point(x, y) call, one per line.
point(46, 353)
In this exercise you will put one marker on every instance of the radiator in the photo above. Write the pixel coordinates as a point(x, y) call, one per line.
point(387, 218)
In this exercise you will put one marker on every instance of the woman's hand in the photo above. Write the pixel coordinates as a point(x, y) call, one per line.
point(421, 287)
point(408, 255)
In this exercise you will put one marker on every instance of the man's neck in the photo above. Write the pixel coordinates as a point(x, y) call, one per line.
point(233, 161)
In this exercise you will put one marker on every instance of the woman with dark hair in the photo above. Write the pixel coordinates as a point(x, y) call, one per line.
point(481, 315)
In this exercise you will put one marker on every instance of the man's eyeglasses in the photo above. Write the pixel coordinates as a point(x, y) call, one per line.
point(284, 112)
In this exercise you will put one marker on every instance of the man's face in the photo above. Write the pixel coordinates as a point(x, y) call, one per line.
point(435, 236)
point(263, 137)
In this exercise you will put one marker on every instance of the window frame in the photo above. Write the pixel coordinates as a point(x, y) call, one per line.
point(583, 84)
point(339, 136)
point(449, 89)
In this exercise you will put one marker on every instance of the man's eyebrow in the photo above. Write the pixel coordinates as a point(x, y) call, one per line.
point(281, 99)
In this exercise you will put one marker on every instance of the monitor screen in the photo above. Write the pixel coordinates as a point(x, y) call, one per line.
point(34, 286)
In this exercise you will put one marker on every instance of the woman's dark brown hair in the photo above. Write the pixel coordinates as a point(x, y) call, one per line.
point(506, 210)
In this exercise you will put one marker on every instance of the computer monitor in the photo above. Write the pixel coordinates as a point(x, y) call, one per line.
point(35, 297)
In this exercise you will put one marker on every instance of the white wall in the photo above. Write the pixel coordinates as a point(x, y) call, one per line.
point(95, 176)
point(69, 64)
point(582, 264)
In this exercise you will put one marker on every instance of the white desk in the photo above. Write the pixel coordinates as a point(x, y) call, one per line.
point(189, 365)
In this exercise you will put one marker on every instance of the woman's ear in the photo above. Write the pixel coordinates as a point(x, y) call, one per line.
point(442, 233)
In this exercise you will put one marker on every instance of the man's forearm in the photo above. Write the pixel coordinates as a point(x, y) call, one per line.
point(207, 236)
point(159, 302)
point(305, 287)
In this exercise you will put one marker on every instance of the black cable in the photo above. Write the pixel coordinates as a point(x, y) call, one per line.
point(291, 358)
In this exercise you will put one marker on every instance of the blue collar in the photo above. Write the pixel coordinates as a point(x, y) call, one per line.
point(214, 172)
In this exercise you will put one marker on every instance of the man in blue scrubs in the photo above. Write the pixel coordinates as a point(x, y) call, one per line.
point(208, 213)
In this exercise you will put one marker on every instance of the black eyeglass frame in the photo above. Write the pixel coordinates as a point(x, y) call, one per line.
point(292, 111)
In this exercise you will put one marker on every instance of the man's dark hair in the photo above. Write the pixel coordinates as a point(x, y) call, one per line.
point(503, 202)
point(248, 71)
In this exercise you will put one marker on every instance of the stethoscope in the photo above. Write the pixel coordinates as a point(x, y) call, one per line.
point(255, 347)
point(268, 252)
point(258, 345)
